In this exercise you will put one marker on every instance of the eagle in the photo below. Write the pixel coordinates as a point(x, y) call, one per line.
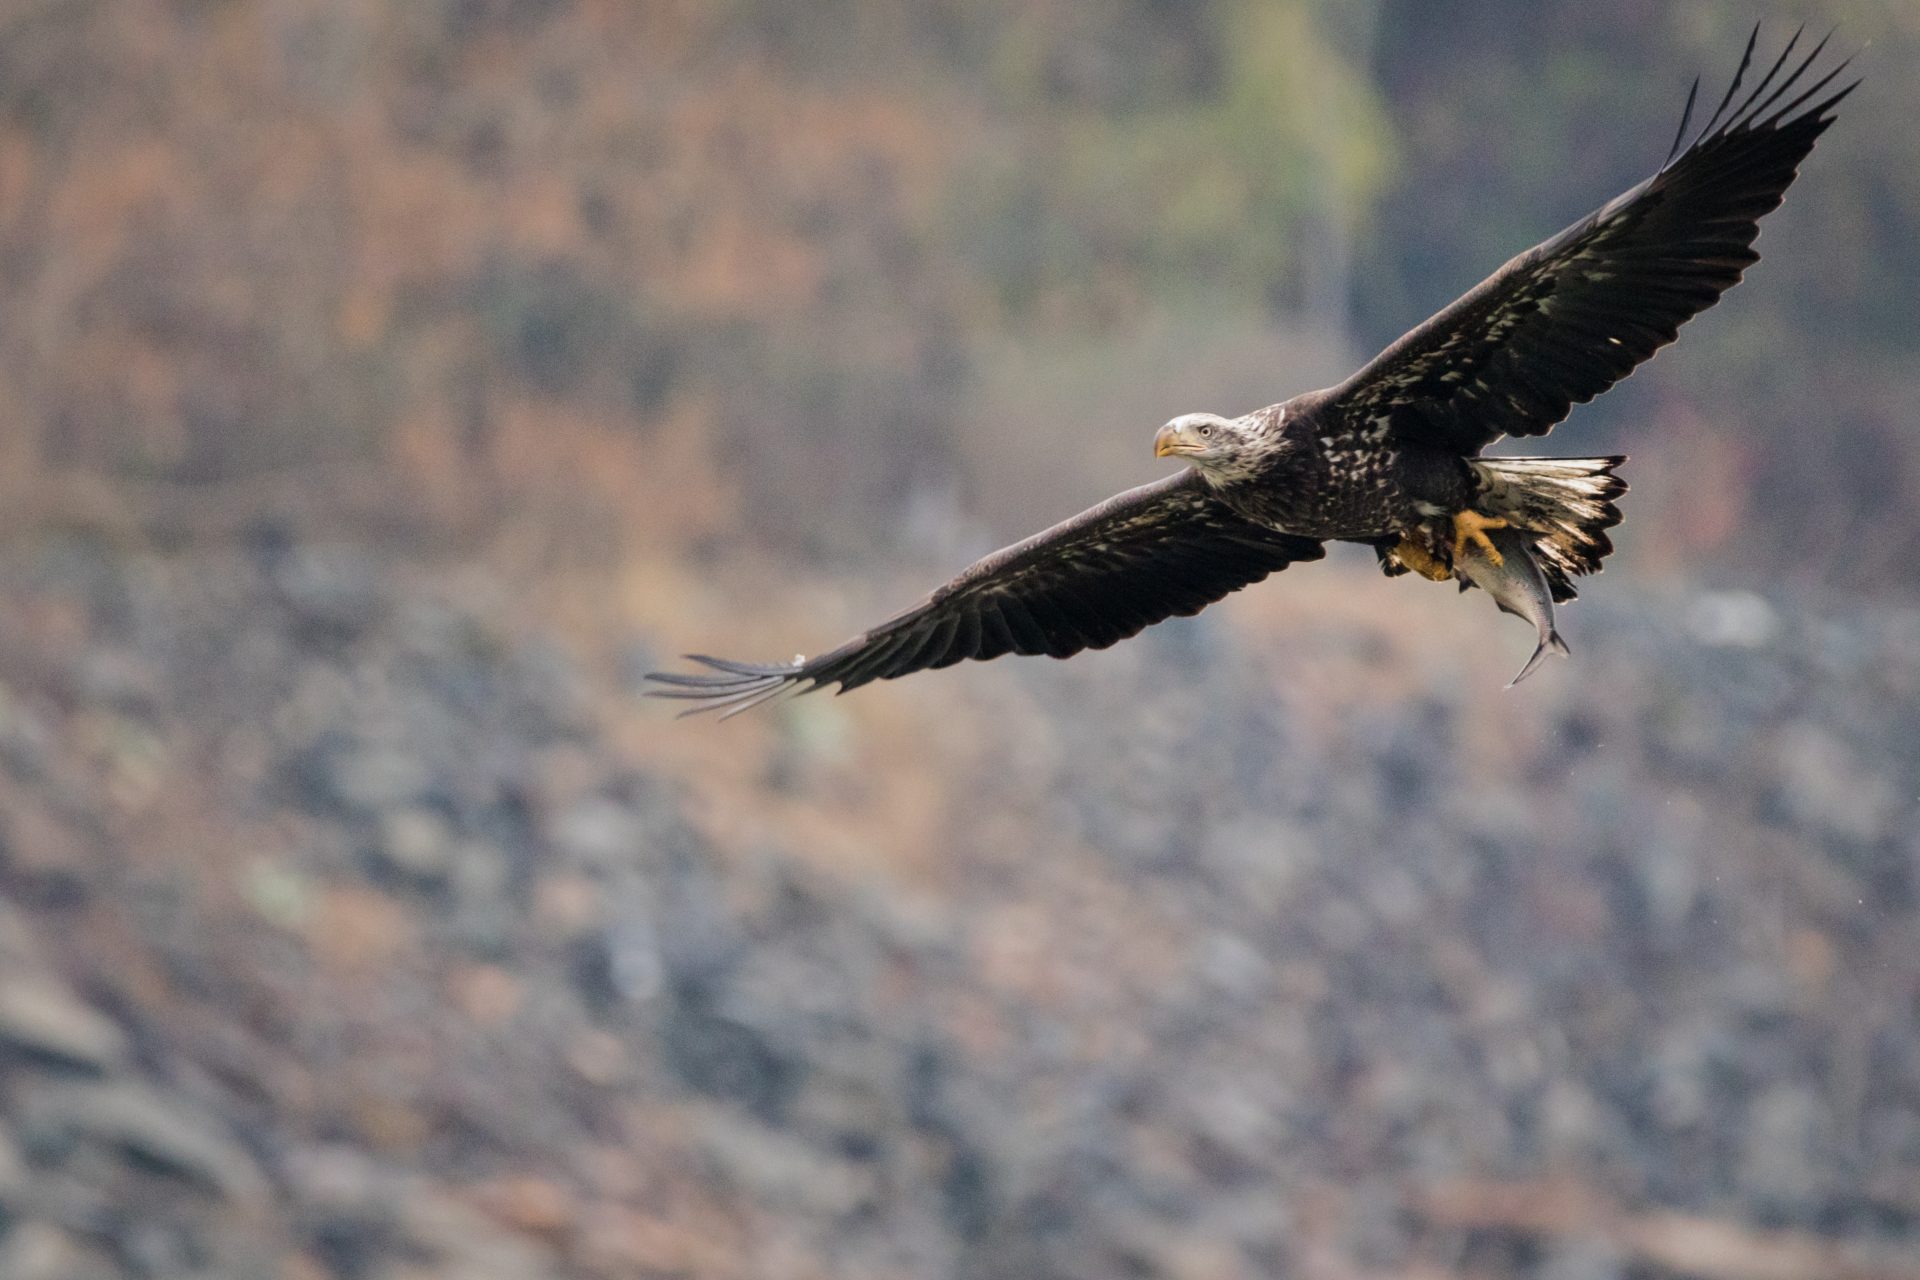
point(1392, 456)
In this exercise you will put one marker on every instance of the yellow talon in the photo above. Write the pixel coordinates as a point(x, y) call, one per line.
point(1415, 557)
point(1471, 526)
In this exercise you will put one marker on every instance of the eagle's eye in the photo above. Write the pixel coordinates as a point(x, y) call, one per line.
point(1206, 431)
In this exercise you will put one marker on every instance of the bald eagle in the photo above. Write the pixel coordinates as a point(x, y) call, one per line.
point(1390, 457)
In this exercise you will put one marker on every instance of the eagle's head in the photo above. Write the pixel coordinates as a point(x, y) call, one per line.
point(1221, 448)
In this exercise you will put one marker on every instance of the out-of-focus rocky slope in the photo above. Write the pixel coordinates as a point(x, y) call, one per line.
point(353, 929)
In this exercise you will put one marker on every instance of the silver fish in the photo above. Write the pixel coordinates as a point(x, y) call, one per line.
point(1517, 586)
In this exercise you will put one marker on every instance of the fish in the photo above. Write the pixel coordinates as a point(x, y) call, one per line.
point(1517, 586)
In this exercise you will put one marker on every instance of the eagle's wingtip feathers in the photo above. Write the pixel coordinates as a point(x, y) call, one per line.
point(729, 687)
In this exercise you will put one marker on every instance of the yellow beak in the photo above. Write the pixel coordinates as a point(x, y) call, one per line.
point(1167, 442)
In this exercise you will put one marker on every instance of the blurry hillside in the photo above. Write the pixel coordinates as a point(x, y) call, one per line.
point(384, 386)
point(418, 268)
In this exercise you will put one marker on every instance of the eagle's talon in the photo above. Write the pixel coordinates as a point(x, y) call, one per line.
point(1415, 557)
point(1471, 527)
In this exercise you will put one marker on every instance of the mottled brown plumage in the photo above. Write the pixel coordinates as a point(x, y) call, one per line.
point(1388, 457)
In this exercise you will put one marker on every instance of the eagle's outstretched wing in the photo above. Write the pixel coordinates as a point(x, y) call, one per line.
point(1567, 319)
point(1138, 558)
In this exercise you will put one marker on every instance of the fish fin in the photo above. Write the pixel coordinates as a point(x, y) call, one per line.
point(1552, 644)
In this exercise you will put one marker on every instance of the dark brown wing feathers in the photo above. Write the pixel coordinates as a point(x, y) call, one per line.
point(1566, 320)
point(1143, 556)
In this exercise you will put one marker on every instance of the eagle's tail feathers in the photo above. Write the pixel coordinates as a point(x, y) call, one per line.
point(1566, 503)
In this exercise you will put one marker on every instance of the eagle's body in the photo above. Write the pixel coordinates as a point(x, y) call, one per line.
point(1326, 475)
point(1392, 456)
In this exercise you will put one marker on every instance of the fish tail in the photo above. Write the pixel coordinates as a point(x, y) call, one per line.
point(1552, 644)
point(1566, 504)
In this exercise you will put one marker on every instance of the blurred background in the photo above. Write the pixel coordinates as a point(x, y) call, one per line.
point(385, 387)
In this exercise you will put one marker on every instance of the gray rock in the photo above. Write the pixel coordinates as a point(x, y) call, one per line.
point(15, 1179)
point(41, 1251)
point(338, 1178)
point(1781, 1145)
point(154, 1246)
point(598, 832)
point(1584, 1259)
point(46, 852)
point(333, 592)
point(779, 1169)
point(165, 1133)
point(47, 1021)
point(25, 740)
point(468, 1244)
point(1738, 619)
point(726, 1058)
point(19, 943)
point(118, 679)
point(1828, 783)
point(366, 778)
point(417, 844)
